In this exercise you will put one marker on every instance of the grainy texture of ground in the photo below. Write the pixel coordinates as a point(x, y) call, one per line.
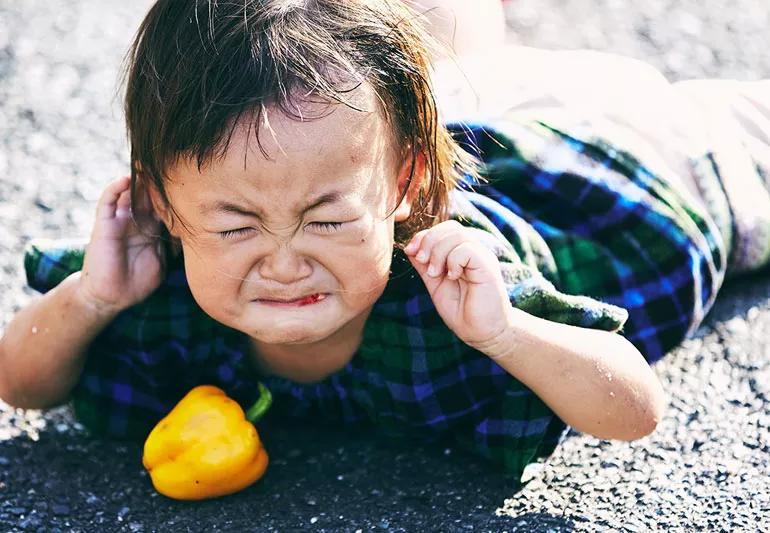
point(706, 468)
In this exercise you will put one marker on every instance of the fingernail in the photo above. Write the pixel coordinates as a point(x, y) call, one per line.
point(409, 248)
point(432, 271)
point(422, 256)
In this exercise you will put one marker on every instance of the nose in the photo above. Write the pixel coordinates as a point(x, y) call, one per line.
point(284, 265)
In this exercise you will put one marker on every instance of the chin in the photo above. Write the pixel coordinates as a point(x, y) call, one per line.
point(289, 333)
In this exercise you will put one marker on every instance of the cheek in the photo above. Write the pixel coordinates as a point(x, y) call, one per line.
point(220, 261)
point(213, 280)
point(367, 255)
point(374, 233)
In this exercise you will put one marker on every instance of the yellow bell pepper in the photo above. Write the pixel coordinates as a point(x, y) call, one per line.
point(206, 447)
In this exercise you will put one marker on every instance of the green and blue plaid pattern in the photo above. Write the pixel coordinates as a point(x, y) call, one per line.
point(585, 236)
point(616, 231)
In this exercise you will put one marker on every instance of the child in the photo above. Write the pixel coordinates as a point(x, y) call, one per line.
point(303, 220)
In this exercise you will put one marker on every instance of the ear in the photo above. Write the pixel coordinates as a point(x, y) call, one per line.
point(414, 168)
point(158, 205)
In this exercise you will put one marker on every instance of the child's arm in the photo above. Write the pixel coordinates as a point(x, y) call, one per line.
point(595, 381)
point(43, 349)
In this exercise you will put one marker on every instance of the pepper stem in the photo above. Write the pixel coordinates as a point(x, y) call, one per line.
point(261, 406)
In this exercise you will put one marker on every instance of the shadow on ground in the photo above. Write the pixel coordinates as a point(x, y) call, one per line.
point(706, 468)
point(319, 480)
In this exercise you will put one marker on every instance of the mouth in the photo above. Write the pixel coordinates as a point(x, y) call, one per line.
point(310, 299)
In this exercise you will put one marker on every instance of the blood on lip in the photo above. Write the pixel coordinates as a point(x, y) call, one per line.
point(307, 300)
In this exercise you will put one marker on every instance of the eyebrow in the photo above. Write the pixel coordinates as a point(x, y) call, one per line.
point(228, 207)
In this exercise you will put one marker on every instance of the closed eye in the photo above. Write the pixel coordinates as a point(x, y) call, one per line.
point(232, 233)
point(326, 227)
point(323, 227)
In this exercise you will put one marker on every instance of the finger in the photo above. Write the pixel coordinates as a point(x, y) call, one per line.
point(108, 201)
point(437, 264)
point(123, 205)
point(460, 258)
point(414, 243)
point(474, 263)
point(434, 235)
point(422, 270)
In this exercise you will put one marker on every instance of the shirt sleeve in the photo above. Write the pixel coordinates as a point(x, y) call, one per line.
point(528, 267)
point(150, 355)
point(609, 225)
point(48, 262)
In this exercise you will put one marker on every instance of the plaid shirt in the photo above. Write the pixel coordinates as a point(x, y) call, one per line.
point(585, 235)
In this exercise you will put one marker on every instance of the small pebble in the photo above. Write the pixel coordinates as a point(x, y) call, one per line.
point(31, 522)
point(60, 509)
point(736, 47)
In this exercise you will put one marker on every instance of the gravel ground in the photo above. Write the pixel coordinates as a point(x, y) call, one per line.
point(706, 467)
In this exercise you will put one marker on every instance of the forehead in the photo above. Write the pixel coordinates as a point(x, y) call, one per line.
point(324, 128)
point(322, 143)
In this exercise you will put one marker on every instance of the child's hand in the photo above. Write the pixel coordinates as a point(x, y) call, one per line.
point(464, 280)
point(122, 264)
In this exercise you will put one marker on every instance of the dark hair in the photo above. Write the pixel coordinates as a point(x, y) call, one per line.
point(197, 68)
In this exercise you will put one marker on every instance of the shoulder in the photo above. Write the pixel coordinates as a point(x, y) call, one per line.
point(168, 316)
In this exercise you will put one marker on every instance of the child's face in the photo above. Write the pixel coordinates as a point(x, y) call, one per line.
point(258, 237)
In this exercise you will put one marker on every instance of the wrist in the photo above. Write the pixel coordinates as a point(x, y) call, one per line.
point(510, 339)
point(87, 304)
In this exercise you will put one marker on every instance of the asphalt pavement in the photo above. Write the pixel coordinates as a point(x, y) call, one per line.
point(705, 468)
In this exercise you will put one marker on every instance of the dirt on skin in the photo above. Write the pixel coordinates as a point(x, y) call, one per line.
point(705, 468)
